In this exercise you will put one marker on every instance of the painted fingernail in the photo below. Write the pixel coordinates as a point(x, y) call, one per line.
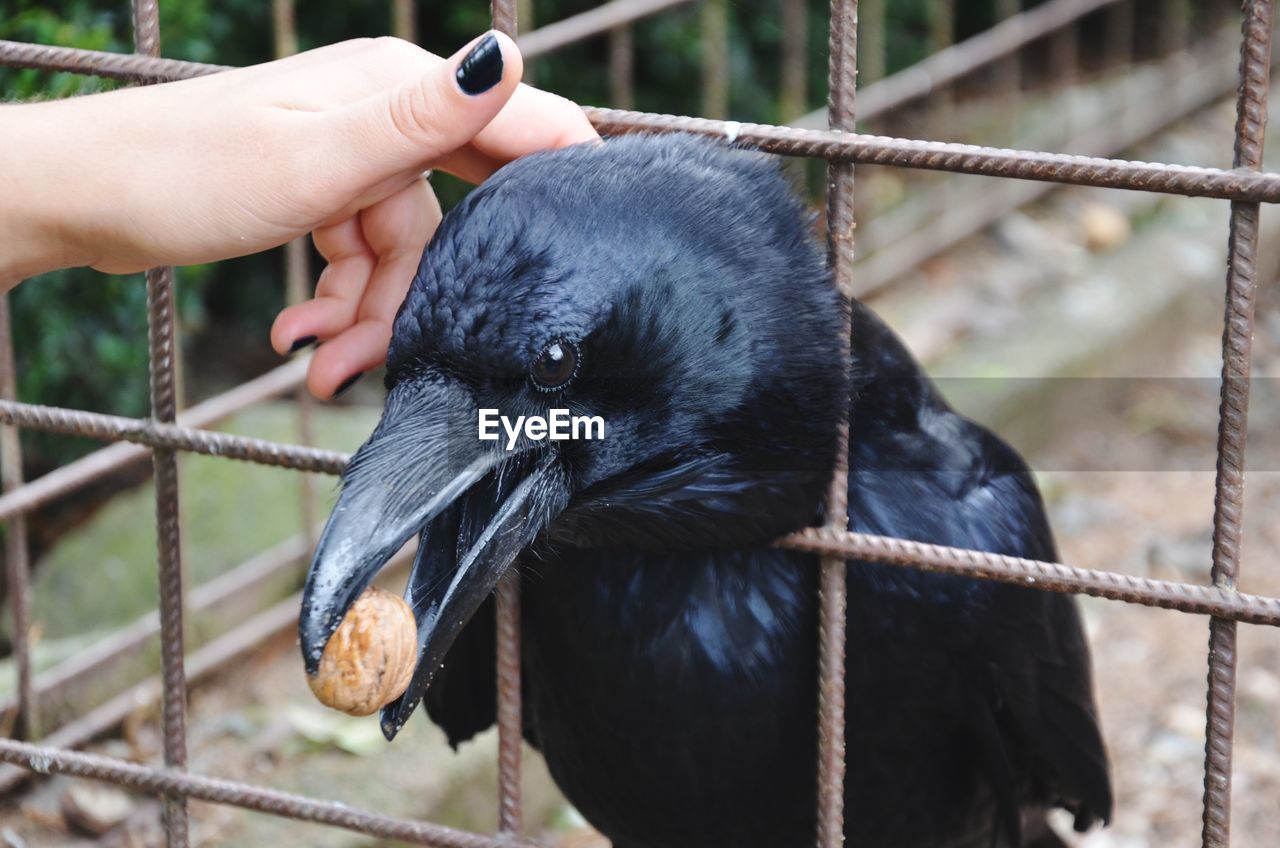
point(481, 69)
point(346, 384)
point(299, 344)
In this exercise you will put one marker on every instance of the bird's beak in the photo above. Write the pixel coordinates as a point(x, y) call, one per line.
point(475, 506)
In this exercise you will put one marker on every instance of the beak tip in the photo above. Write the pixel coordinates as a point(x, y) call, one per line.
point(391, 723)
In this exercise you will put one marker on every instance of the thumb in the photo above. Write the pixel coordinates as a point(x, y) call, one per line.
point(423, 119)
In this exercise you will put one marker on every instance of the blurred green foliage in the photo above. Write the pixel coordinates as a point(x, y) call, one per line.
point(80, 336)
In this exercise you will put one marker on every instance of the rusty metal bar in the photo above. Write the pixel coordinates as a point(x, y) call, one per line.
point(404, 19)
point(793, 94)
point(1050, 576)
point(88, 468)
point(171, 437)
point(510, 705)
point(507, 668)
point(715, 58)
point(167, 781)
point(873, 54)
point(1233, 421)
point(1001, 40)
point(833, 586)
point(1046, 576)
point(131, 638)
point(904, 238)
point(162, 355)
point(622, 62)
point(203, 662)
point(961, 158)
point(1183, 180)
point(16, 552)
point(589, 24)
point(297, 274)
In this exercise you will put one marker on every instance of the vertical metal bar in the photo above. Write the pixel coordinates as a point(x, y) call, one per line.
point(510, 720)
point(1064, 59)
point(793, 95)
point(1237, 339)
point(164, 406)
point(873, 54)
point(297, 276)
point(832, 599)
point(160, 318)
point(17, 564)
point(1118, 40)
point(622, 59)
point(715, 59)
point(941, 103)
point(1175, 26)
point(404, 20)
point(1009, 75)
point(524, 17)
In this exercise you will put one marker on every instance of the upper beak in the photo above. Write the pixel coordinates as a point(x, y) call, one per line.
point(425, 471)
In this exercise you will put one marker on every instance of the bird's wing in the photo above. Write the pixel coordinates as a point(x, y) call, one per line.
point(1030, 660)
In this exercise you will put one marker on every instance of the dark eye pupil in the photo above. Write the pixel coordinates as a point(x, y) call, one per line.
point(555, 366)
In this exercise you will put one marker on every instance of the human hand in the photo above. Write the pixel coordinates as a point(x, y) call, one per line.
point(332, 141)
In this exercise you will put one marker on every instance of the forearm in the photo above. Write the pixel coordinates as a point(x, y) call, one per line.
point(41, 188)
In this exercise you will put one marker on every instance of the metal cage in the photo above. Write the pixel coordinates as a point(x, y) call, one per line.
point(1246, 186)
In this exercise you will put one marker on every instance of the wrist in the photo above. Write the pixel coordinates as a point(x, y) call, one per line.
point(37, 190)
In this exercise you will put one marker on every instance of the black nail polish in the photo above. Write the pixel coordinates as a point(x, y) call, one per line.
point(481, 69)
point(299, 344)
point(346, 384)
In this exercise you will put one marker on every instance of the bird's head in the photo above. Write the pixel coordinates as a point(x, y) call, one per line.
point(668, 287)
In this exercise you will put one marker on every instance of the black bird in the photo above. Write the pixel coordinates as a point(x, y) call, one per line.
point(671, 286)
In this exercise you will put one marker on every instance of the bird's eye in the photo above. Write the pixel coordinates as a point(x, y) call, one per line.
point(556, 366)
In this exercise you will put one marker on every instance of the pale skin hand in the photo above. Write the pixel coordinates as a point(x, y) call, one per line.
point(333, 142)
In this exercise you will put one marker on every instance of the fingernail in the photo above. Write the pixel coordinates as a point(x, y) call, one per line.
point(346, 384)
point(299, 344)
point(481, 69)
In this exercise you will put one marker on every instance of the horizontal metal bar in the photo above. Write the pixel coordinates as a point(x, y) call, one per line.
point(129, 67)
point(98, 464)
point(834, 146)
point(961, 158)
point(598, 21)
point(171, 437)
point(1147, 107)
point(959, 60)
point(247, 577)
point(201, 663)
point(236, 794)
point(1050, 576)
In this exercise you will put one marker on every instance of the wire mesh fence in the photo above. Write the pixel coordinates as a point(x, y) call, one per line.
point(1246, 186)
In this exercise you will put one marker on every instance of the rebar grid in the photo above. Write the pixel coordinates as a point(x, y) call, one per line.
point(1246, 186)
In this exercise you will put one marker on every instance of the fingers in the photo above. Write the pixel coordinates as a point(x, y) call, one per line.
point(372, 260)
point(534, 120)
point(422, 120)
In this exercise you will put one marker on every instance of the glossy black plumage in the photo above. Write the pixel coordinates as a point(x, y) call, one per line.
point(670, 653)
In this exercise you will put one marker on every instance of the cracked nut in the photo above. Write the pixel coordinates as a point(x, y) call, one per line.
point(370, 657)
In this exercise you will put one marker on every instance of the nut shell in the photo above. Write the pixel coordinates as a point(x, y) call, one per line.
point(370, 657)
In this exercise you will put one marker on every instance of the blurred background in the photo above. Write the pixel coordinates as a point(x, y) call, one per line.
point(1082, 324)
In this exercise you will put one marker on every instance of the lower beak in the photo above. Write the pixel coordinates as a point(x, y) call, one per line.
point(475, 507)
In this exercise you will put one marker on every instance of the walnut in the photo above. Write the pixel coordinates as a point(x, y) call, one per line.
point(370, 657)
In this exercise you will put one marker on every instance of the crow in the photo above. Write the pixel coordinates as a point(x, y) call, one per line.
point(672, 287)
